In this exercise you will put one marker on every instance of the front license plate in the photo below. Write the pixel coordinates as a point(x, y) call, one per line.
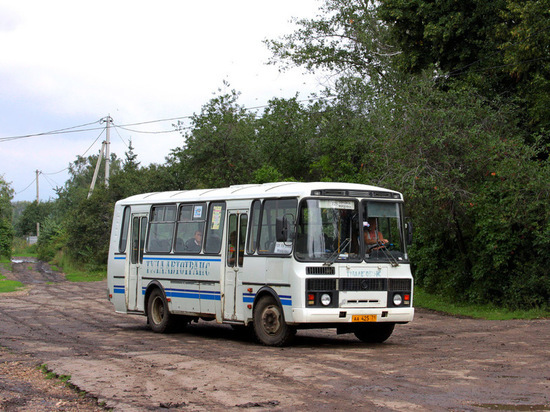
point(363, 318)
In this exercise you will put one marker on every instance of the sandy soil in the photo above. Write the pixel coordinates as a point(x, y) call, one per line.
point(436, 363)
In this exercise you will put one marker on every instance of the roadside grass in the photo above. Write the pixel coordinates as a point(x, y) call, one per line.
point(85, 276)
point(7, 285)
point(48, 374)
point(75, 272)
point(423, 299)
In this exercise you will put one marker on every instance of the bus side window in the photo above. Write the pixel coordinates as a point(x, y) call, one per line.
point(161, 230)
point(124, 230)
point(190, 228)
point(214, 227)
point(273, 209)
point(254, 227)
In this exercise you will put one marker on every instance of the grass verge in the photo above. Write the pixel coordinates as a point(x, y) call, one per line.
point(85, 276)
point(7, 285)
point(423, 299)
point(76, 272)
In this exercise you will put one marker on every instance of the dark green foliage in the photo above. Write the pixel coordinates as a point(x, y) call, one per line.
point(6, 237)
point(34, 213)
point(6, 213)
point(89, 227)
point(220, 150)
point(479, 201)
point(52, 239)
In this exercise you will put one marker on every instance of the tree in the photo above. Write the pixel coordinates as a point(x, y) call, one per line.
point(284, 139)
point(6, 211)
point(220, 149)
point(88, 228)
point(34, 213)
point(501, 47)
point(478, 199)
point(346, 38)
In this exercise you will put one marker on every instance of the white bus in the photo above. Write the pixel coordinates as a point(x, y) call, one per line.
point(274, 257)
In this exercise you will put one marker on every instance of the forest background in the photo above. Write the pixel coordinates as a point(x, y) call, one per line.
point(445, 101)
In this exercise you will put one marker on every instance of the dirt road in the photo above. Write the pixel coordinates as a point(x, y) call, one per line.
point(435, 363)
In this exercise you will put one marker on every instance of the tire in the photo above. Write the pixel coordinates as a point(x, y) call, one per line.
point(269, 323)
point(375, 332)
point(159, 318)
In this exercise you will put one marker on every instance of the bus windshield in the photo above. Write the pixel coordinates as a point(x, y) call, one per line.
point(382, 231)
point(328, 230)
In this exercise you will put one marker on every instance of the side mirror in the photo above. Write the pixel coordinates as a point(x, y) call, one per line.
point(409, 231)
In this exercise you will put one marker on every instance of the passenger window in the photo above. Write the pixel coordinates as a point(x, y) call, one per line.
point(161, 230)
point(254, 227)
point(214, 227)
point(190, 228)
point(273, 209)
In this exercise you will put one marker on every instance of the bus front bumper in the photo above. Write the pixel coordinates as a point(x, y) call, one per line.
point(337, 315)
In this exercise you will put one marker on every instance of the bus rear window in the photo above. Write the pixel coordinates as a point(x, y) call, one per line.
point(124, 230)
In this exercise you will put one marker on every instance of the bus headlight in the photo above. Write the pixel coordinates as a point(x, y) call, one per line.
point(325, 299)
point(397, 299)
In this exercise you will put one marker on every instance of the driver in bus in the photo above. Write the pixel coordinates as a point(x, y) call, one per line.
point(374, 239)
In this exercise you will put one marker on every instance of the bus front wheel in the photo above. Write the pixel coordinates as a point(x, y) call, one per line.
point(158, 316)
point(269, 323)
point(374, 332)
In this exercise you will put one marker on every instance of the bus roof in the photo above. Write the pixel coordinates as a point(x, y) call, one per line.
point(265, 190)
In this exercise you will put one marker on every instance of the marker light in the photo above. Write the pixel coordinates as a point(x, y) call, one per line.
point(325, 299)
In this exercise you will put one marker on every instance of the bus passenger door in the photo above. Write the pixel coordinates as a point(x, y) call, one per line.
point(137, 243)
point(237, 226)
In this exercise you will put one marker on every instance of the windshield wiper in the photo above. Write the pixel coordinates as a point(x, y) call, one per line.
point(332, 258)
point(387, 254)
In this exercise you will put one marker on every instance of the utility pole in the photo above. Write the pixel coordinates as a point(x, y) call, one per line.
point(96, 171)
point(107, 150)
point(37, 201)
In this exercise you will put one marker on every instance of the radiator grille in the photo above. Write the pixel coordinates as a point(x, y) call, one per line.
point(321, 284)
point(399, 284)
point(363, 284)
point(320, 270)
point(358, 284)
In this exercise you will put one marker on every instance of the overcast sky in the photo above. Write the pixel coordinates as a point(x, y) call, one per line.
point(68, 63)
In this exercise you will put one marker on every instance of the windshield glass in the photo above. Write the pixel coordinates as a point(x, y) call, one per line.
point(328, 230)
point(382, 231)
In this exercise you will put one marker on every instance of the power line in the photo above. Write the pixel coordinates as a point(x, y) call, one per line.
point(59, 131)
point(29, 185)
point(143, 131)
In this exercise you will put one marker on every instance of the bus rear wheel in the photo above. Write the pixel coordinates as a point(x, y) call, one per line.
point(269, 323)
point(158, 316)
point(374, 332)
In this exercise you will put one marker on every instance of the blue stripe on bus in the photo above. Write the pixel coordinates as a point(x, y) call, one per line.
point(118, 289)
point(120, 257)
point(285, 299)
point(184, 259)
point(193, 294)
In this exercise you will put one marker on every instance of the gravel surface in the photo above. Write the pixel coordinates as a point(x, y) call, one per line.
point(434, 363)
